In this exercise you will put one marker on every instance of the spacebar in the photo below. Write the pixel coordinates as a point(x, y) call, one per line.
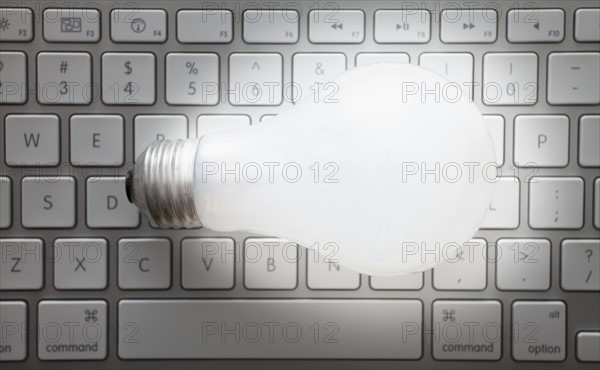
point(340, 329)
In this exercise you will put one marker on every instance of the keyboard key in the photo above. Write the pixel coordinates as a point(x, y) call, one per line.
point(32, 140)
point(72, 25)
point(128, 78)
point(22, 264)
point(149, 128)
point(266, 117)
point(97, 140)
point(205, 26)
point(107, 204)
point(271, 26)
point(270, 329)
point(589, 141)
point(5, 202)
point(80, 263)
point(556, 203)
point(13, 321)
point(13, 77)
point(64, 78)
point(144, 263)
point(402, 26)
point(270, 264)
point(574, 78)
point(467, 330)
point(523, 264)
point(336, 26)
point(468, 26)
point(207, 263)
point(535, 25)
point(495, 124)
point(48, 202)
point(510, 78)
point(541, 141)
point(587, 25)
point(404, 282)
point(466, 271)
point(210, 123)
point(312, 72)
point(597, 203)
point(326, 273)
point(539, 331)
point(255, 79)
point(363, 59)
point(18, 24)
point(72, 330)
point(455, 67)
point(192, 78)
point(580, 264)
point(503, 212)
point(138, 25)
point(587, 346)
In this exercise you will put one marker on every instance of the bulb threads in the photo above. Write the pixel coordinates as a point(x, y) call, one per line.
point(162, 184)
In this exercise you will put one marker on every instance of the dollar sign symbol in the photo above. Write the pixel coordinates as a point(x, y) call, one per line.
point(128, 69)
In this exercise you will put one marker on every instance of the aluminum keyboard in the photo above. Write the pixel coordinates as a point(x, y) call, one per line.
point(86, 87)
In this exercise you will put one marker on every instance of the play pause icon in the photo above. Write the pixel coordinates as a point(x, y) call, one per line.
point(404, 26)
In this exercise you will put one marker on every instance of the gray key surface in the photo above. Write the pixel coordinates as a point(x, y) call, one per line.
point(107, 204)
point(18, 24)
point(48, 202)
point(144, 263)
point(327, 329)
point(80, 263)
point(64, 78)
point(21, 264)
point(5, 202)
point(32, 139)
point(71, 25)
point(97, 140)
point(13, 79)
point(467, 330)
point(13, 321)
point(72, 330)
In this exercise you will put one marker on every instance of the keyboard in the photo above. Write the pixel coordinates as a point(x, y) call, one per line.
point(85, 282)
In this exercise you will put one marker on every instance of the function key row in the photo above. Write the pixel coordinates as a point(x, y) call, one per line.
point(283, 26)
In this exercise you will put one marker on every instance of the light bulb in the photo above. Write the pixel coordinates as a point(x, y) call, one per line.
point(397, 165)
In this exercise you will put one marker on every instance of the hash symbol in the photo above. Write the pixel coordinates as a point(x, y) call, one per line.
point(63, 66)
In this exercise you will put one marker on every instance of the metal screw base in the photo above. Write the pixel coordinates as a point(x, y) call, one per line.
point(162, 184)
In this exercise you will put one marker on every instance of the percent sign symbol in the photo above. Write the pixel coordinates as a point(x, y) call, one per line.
point(191, 66)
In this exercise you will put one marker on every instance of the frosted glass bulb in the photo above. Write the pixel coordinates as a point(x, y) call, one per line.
point(394, 170)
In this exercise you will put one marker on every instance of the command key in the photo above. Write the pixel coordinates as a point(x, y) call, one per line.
point(72, 330)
